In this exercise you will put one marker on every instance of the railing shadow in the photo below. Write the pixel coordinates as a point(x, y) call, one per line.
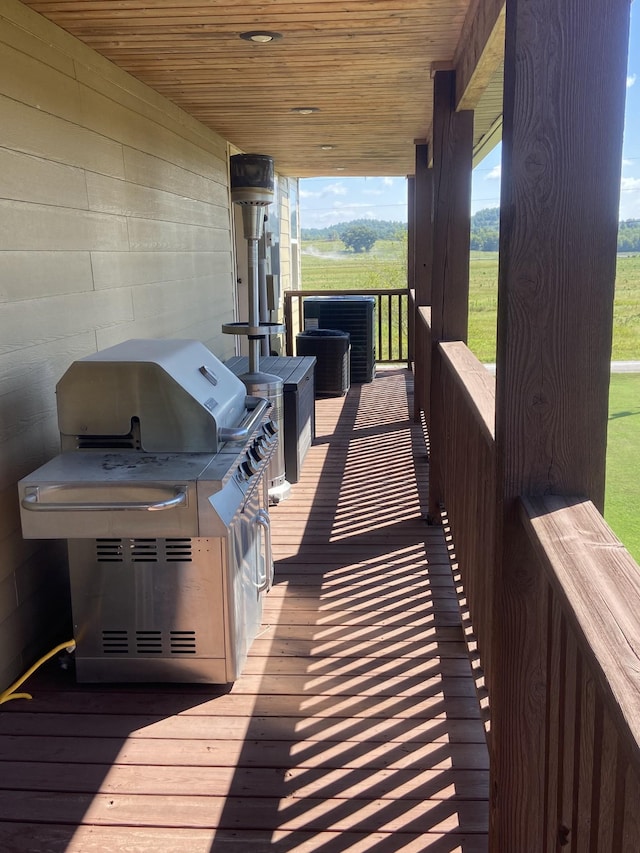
point(383, 744)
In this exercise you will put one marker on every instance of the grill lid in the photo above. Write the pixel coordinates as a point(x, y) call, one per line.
point(174, 393)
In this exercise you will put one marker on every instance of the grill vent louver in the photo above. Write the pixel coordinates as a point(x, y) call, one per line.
point(115, 642)
point(109, 551)
point(149, 642)
point(182, 642)
point(143, 550)
point(178, 550)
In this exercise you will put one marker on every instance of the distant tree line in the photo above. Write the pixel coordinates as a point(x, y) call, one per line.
point(485, 229)
point(381, 229)
point(629, 236)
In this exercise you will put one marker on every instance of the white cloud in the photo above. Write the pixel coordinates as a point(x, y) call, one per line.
point(495, 173)
point(388, 182)
point(630, 185)
point(631, 79)
point(330, 189)
point(335, 189)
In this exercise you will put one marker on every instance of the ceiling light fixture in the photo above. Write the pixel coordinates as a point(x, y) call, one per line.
point(327, 147)
point(261, 36)
point(305, 111)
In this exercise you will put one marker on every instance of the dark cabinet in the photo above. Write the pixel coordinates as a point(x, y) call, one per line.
point(298, 400)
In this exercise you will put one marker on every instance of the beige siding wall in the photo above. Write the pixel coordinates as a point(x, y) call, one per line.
point(285, 235)
point(114, 223)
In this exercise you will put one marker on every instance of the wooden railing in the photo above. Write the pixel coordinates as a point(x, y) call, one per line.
point(468, 463)
point(391, 332)
point(590, 586)
point(565, 748)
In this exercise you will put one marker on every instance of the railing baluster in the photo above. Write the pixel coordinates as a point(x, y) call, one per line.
point(385, 311)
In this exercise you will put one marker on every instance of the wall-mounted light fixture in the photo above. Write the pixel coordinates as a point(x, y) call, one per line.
point(305, 111)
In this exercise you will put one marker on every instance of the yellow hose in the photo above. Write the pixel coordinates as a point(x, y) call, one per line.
point(10, 693)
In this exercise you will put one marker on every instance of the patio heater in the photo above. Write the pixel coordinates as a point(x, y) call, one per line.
point(252, 186)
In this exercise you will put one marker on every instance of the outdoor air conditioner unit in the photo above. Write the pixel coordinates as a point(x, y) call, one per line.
point(352, 314)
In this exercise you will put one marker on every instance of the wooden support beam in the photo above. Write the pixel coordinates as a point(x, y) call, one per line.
point(479, 52)
point(411, 270)
point(452, 159)
point(564, 94)
point(452, 164)
point(423, 225)
point(411, 232)
point(423, 250)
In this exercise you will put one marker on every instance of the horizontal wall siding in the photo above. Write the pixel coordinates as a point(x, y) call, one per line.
point(114, 223)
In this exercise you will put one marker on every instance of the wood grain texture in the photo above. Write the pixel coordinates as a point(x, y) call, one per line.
point(422, 259)
point(480, 51)
point(598, 584)
point(452, 152)
point(355, 721)
point(468, 464)
point(557, 270)
point(554, 334)
point(592, 686)
point(363, 64)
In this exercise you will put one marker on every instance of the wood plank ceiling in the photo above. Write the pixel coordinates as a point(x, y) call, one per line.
point(365, 65)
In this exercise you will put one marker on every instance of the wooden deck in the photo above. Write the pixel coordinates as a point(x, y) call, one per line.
point(355, 726)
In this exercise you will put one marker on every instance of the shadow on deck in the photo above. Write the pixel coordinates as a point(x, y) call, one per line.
point(355, 725)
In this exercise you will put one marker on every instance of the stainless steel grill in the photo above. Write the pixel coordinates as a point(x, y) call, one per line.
point(161, 494)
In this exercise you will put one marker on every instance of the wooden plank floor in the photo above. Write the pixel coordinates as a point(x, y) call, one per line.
point(355, 726)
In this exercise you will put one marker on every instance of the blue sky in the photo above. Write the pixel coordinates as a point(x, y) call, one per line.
point(326, 201)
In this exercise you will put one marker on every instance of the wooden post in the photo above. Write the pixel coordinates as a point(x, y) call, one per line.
point(411, 270)
point(423, 245)
point(452, 164)
point(411, 232)
point(564, 92)
point(423, 225)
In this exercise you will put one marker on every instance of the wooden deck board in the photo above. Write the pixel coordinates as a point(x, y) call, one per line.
point(354, 726)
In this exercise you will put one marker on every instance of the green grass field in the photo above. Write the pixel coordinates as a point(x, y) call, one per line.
point(622, 500)
point(328, 266)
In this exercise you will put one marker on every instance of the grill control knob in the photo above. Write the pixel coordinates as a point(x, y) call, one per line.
point(258, 451)
point(249, 466)
point(271, 427)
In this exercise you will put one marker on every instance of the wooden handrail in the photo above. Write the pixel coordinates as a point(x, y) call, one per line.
point(586, 651)
point(466, 461)
point(475, 381)
point(597, 583)
point(578, 644)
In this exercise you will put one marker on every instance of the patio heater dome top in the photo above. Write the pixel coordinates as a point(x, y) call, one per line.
point(252, 179)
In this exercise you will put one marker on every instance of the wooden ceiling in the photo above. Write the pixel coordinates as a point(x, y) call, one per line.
point(365, 65)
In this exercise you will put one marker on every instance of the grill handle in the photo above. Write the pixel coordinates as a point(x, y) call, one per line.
point(263, 520)
point(257, 407)
point(31, 501)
